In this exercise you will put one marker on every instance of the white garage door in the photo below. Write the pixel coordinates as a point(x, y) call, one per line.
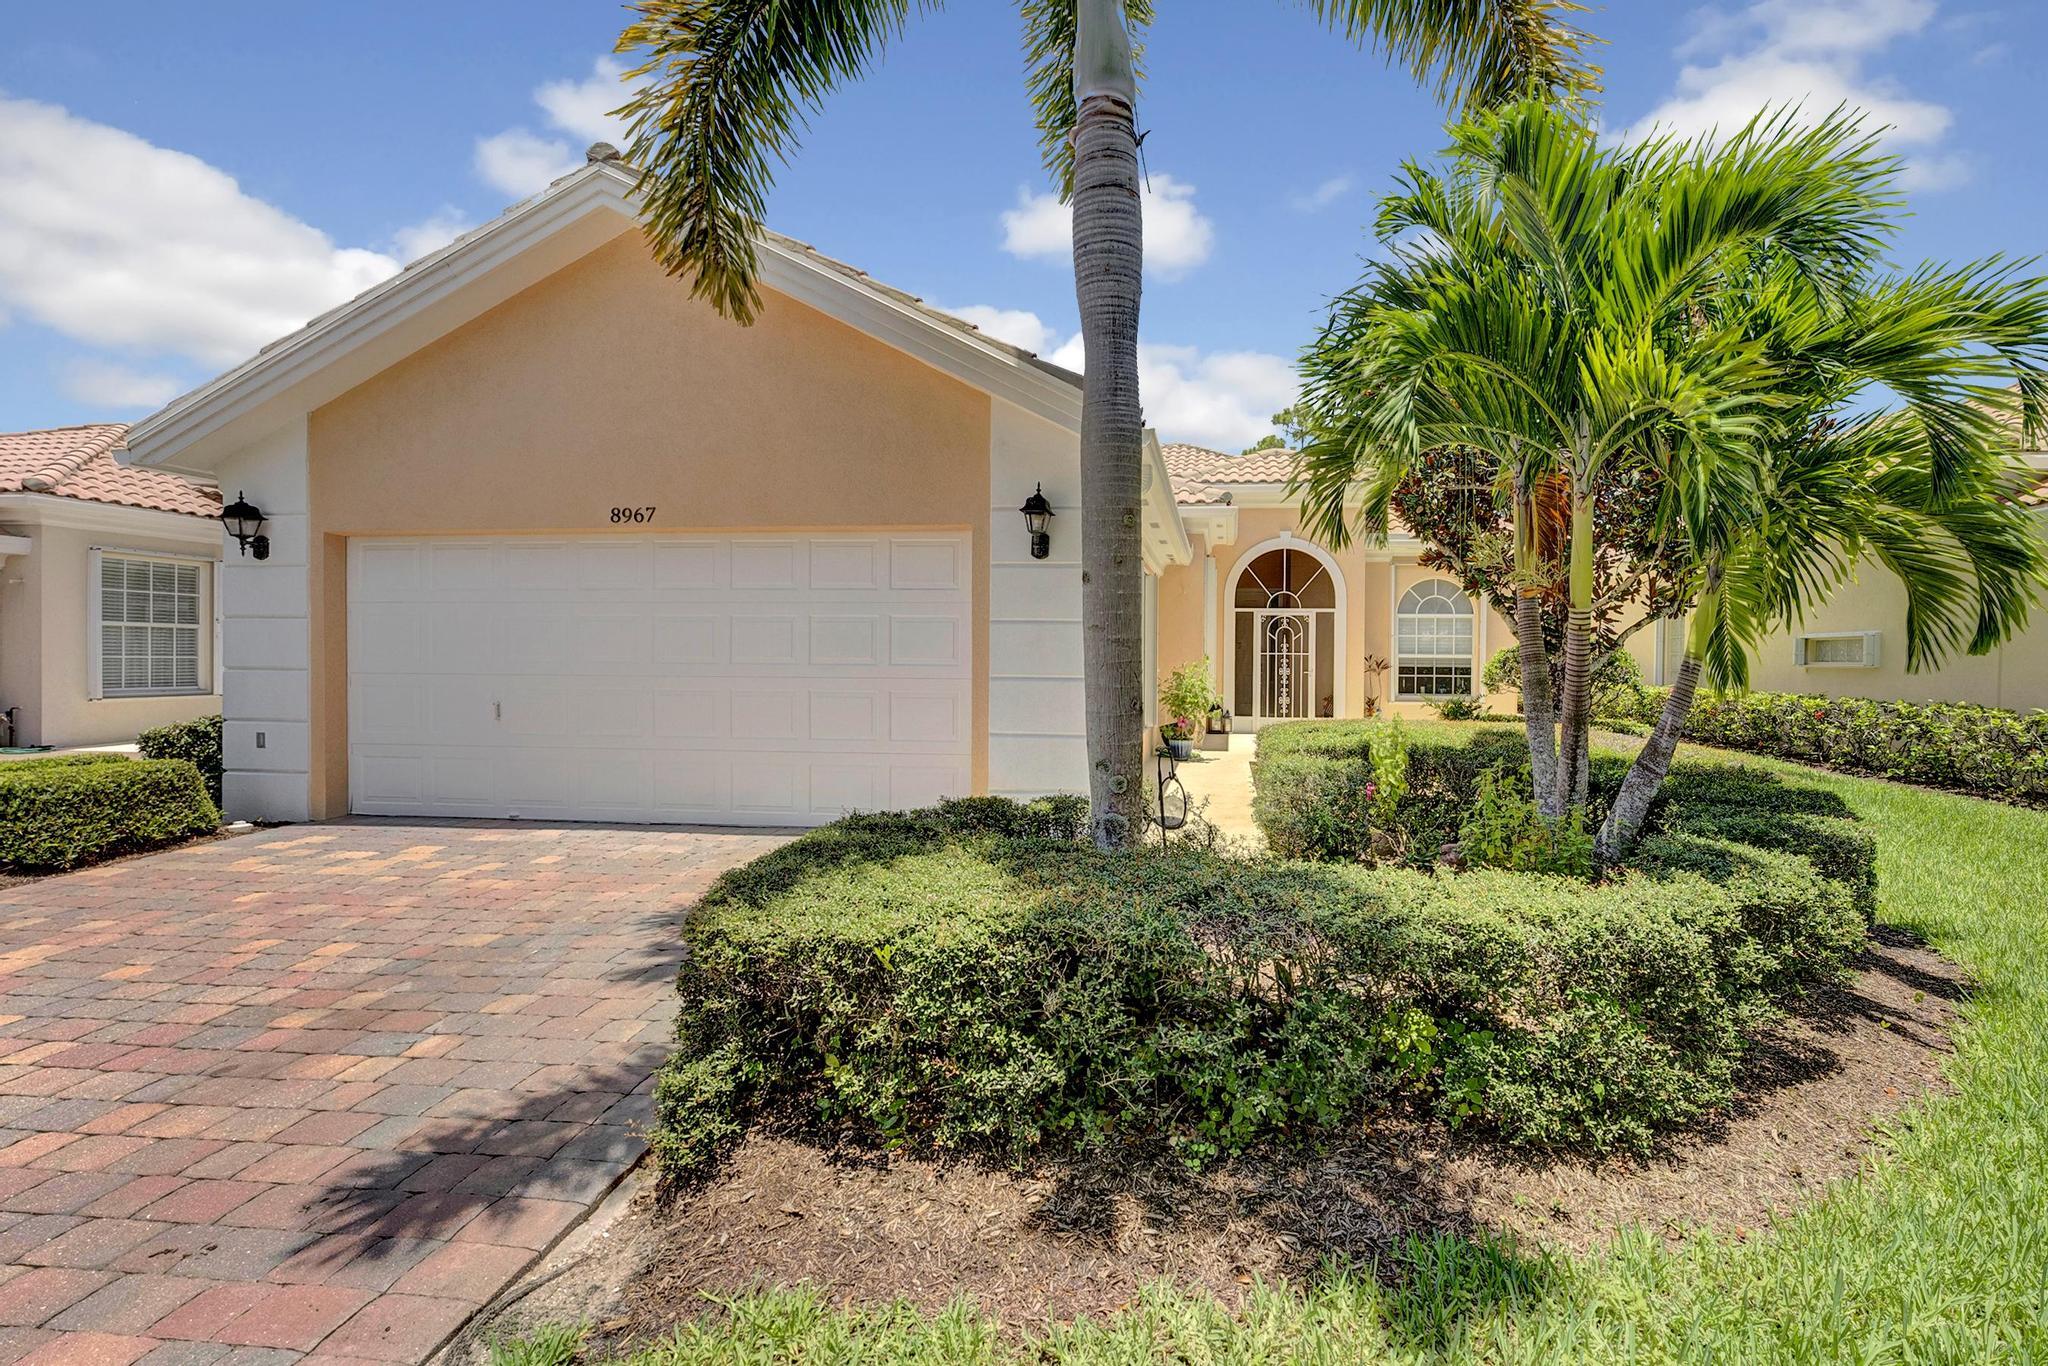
point(758, 680)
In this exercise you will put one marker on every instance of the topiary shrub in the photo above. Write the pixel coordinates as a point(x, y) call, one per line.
point(196, 741)
point(56, 815)
point(933, 980)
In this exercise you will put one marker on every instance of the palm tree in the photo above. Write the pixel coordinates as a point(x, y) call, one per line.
point(728, 82)
point(1694, 306)
point(1924, 490)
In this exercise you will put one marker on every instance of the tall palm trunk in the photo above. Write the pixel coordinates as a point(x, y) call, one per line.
point(1646, 775)
point(1574, 719)
point(1109, 258)
point(1537, 716)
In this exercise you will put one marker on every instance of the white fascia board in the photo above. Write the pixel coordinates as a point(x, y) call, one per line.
point(15, 545)
point(1215, 523)
point(78, 514)
point(1166, 536)
point(479, 270)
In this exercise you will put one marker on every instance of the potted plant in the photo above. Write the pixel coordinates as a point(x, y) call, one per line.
point(1375, 670)
point(1185, 697)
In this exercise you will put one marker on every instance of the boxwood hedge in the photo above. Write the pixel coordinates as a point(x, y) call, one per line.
point(974, 977)
point(70, 810)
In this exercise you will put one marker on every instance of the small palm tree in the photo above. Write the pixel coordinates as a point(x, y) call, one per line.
point(1703, 309)
point(728, 82)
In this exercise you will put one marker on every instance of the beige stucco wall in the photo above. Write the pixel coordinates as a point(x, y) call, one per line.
point(2014, 675)
point(1372, 584)
point(44, 618)
point(607, 385)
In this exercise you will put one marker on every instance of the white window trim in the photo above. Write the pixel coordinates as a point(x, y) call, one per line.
point(1872, 650)
point(208, 626)
point(1471, 662)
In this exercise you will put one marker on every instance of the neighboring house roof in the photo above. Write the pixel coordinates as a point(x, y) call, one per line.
point(529, 241)
point(1197, 471)
point(80, 462)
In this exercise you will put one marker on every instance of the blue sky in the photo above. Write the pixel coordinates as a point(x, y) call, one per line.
point(180, 183)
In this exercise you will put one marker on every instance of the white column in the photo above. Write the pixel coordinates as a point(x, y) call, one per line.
point(1149, 613)
point(1209, 614)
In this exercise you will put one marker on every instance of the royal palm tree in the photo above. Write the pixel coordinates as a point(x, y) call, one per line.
point(1699, 307)
point(729, 82)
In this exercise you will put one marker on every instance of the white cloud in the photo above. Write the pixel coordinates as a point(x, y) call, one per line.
point(106, 385)
point(430, 234)
point(1177, 236)
point(1017, 326)
point(583, 108)
point(521, 162)
point(113, 241)
point(1224, 399)
point(1812, 54)
point(1323, 195)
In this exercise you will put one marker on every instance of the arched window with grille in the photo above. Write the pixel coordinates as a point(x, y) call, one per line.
point(1433, 642)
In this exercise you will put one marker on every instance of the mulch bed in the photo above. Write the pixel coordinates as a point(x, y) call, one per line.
point(1075, 1239)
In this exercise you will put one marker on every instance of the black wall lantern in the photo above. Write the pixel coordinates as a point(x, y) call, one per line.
point(1038, 521)
point(244, 521)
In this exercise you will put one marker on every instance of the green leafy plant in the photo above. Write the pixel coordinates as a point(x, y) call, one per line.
point(1186, 696)
point(56, 815)
point(1460, 708)
point(1617, 690)
point(1506, 829)
point(197, 741)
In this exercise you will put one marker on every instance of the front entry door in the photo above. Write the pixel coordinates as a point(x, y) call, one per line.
point(1286, 668)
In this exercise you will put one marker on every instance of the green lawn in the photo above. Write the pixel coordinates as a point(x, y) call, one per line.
point(1939, 1254)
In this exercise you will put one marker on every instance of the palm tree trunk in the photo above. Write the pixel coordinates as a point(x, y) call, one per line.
point(1653, 762)
point(1573, 719)
point(1109, 258)
point(1537, 717)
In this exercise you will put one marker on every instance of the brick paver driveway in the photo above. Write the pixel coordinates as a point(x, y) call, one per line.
point(323, 1089)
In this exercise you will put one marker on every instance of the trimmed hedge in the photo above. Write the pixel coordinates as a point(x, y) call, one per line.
point(197, 740)
point(1310, 779)
point(78, 809)
point(1983, 750)
point(974, 977)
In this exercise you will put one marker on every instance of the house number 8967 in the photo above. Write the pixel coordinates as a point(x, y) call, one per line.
point(645, 514)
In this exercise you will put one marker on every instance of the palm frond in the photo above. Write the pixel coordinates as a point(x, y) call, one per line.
point(729, 84)
point(1475, 53)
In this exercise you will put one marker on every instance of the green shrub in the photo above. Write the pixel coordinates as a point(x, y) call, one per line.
point(1985, 750)
point(1618, 689)
point(1458, 708)
point(197, 741)
point(1505, 829)
point(1186, 697)
point(1311, 779)
point(63, 761)
point(971, 977)
point(57, 815)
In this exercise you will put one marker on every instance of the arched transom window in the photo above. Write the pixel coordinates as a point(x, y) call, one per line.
point(1433, 641)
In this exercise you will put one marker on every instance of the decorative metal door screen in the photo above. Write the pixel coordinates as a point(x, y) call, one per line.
point(1286, 674)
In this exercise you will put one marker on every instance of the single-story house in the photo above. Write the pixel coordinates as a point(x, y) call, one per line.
point(550, 539)
point(107, 591)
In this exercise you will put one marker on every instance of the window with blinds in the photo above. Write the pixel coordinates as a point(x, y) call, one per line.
point(150, 625)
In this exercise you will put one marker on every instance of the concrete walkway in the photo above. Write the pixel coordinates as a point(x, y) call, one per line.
point(1219, 784)
point(323, 1089)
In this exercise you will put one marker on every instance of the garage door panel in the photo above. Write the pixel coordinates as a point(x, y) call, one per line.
point(766, 679)
point(845, 565)
point(846, 641)
point(764, 565)
point(688, 638)
point(758, 640)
